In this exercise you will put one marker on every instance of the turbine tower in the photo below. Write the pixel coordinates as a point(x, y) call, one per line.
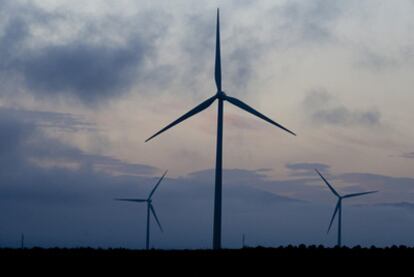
point(220, 96)
point(150, 208)
point(338, 208)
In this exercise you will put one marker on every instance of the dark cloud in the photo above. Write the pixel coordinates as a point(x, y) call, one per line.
point(241, 63)
point(403, 186)
point(322, 108)
point(308, 186)
point(409, 155)
point(85, 214)
point(400, 205)
point(13, 135)
point(308, 22)
point(372, 59)
point(55, 120)
point(92, 67)
point(53, 203)
point(89, 72)
point(89, 66)
point(58, 206)
point(241, 50)
point(23, 140)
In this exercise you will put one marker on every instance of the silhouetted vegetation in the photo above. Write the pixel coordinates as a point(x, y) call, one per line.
point(300, 251)
point(258, 261)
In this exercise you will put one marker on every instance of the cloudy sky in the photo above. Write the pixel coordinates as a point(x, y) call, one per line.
point(84, 83)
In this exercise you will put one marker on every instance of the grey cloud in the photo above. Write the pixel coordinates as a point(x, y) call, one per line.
point(308, 22)
point(294, 24)
point(234, 176)
point(241, 63)
point(367, 179)
point(55, 120)
point(90, 66)
point(61, 207)
point(372, 59)
point(56, 153)
point(89, 72)
point(55, 205)
point(13, 135)
point(307, 169)
point(400, 205)
point(251, 197)
point(343, 116)
point(240, 52)
point(43, 149)
point(391, 189)
point(185, 206)
point(322, 108)
point(409, 155)
point(22, 139)
point(308, 186)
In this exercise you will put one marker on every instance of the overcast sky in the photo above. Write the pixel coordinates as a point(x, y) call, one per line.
point(84, 83)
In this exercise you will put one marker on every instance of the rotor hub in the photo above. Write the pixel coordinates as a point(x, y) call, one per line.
point(221, 94)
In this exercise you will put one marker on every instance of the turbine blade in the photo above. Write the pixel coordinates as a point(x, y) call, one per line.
point(156, 218)
point(158, 183)
point(194, 111)
point(358, 194)
point(249, 109)
point(131, 199)
point(217, 70)
point(327, 183)
point(333, 216)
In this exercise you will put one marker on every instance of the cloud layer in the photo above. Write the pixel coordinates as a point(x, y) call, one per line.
point(323, 108)
point(93, 64)
point(82, 85)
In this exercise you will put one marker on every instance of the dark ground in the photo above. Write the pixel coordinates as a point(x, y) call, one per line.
point(316, 259)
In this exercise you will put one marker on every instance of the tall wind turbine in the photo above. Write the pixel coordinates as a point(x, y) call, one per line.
point(150, 208)
point(220, 96)
point(338, 208)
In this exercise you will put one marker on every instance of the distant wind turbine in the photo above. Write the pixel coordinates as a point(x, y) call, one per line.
point(150, 208)
point(338, 208)
point(221, 97)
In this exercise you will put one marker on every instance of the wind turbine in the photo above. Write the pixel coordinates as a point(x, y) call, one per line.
point(338, 208)
point(220, 96)
point(150, 208)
